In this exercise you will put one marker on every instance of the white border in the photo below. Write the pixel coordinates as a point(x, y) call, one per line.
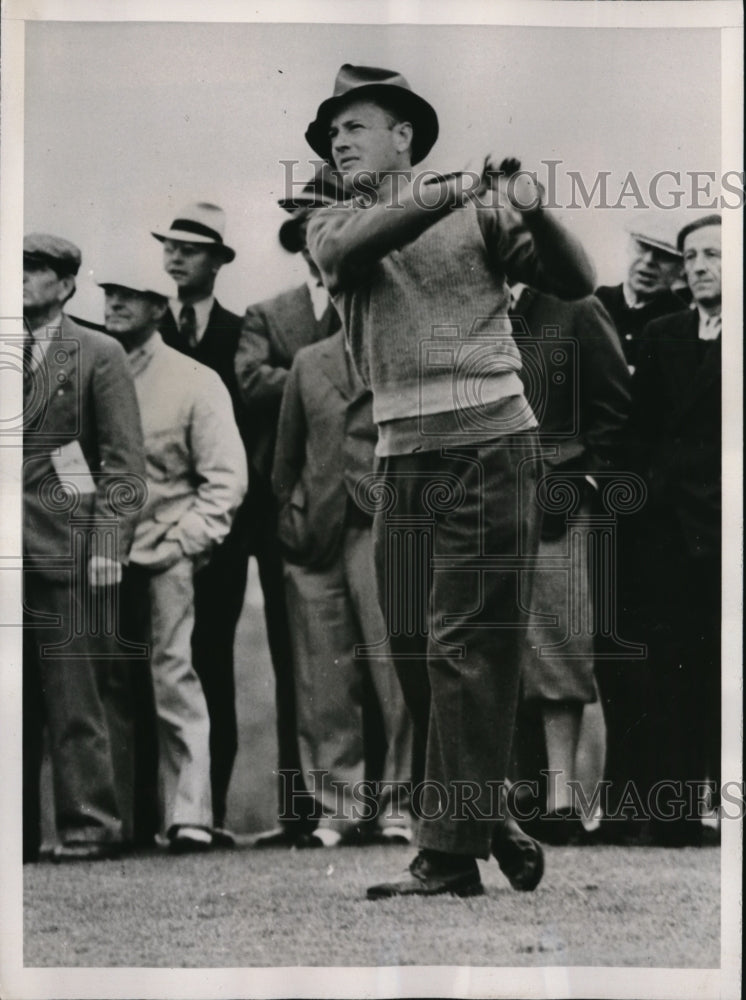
point(16, 981)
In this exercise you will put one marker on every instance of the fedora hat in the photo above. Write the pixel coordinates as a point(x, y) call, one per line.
point(324, 188)
point(385, 87)
point(199, 222)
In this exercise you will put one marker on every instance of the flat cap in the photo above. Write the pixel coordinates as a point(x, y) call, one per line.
point(58, 253)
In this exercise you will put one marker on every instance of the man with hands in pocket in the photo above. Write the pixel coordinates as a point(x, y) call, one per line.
point(196, 475)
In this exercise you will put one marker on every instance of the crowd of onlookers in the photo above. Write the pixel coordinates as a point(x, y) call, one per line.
point(170, 445)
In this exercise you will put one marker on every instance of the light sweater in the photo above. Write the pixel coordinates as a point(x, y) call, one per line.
point(427, 322)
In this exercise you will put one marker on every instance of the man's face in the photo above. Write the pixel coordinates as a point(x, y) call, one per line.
point(364, 137)
point(651, 270)
point(192, 266)
point(43, 288)
point(130, 316)
point(703, 264)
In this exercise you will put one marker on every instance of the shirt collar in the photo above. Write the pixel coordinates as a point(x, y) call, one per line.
point(40, 333)
point(631, 299)
point(709, 326)
point(516, 291)
point(140, 358)
point(202, 310)
point(319, 297)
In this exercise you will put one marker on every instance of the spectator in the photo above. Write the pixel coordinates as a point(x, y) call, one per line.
point(325, 444)
point(82, 445)
point(653, 266)
point(675, 435)
point(273, 331)
point(197, 325)
point(581, 415)
point(196, 472)
point(452, 436)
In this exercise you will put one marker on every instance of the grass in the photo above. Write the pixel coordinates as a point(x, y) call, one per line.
point(596, 906)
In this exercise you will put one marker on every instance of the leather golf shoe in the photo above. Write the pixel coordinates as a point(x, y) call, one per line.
point(520, 857)
point(433, 873)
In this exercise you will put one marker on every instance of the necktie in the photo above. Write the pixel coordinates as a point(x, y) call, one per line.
point(28, 365)
point(188, 326)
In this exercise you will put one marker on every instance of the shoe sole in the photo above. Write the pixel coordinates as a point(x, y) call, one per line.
point(473, 890)
point(522, 881)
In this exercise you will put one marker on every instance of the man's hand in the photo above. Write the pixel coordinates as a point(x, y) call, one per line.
point(104, 572)
point(516, 188)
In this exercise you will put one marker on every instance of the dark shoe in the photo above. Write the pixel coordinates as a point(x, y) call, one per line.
point(86, 851)
point(189, 840)
point(560, 828)
point(519, 856)
point(223, 838)
point(433, 873)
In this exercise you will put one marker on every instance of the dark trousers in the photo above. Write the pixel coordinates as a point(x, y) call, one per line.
point(219, 589)
point(457, 621)
point(682, 630)
point(296, 805)
point(61, 687)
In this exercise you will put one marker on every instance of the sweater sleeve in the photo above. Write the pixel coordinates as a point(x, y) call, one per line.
point(347, 240)
point(535, 249)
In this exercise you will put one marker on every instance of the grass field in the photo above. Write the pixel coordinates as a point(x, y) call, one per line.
point(595, 906)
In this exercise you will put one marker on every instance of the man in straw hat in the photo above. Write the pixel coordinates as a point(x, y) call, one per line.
point(273, 332)
point(422, 289)
point(197, 325)
point(82, 448)
point(196, 472)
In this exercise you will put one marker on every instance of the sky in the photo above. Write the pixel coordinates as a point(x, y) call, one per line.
point(127, 122)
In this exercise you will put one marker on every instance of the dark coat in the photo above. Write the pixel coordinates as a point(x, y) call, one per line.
point(675, 429)
point(325, 444)
point(630, 323)
point(88, 396)
point(216, 349)
point(579, 389)
point(272, 333)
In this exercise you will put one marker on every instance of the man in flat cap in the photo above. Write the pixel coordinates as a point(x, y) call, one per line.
point(196, 474)
point(423, 293)
point(83, 448)
point(653, 267)
point(273, 332)
point(197, 325)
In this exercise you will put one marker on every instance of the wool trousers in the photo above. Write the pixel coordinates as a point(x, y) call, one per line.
point(334, 612)
point(452, 533)
point(61, 659)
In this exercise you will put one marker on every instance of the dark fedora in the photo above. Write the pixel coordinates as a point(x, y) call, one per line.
point(385, 87)
point(324, 188)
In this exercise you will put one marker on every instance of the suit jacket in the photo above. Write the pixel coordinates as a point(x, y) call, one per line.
point(85, 394)
point(579, 391)
point(325, 443)
point(675, 430)
point(216, 349)
point(630, 323)
point(273, 332)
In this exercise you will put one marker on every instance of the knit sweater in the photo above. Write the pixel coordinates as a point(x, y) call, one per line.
point(427, 321)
